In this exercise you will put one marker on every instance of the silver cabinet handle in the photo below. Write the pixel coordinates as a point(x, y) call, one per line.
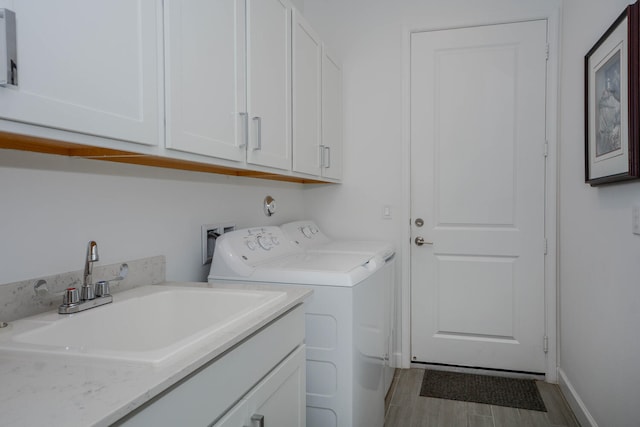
point(327, 164)
point(420, 241)
point(258, 121)
point(259, 419)
point(245, 129)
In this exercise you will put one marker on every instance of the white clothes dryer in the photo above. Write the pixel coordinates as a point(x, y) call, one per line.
point(345, 333)
point(308, 236)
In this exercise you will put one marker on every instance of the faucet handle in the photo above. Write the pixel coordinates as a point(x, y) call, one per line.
point(87, 292)
point(102, 288)
point(70, 297)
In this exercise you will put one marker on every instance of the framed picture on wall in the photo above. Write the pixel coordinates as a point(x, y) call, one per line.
point(611, 103)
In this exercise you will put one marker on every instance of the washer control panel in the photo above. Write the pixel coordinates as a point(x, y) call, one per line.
point(304, 233)
point(255, 245)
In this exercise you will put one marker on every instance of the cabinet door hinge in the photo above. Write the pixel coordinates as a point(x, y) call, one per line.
point(547, 52)
point(546, 246)
point(545, 344)
point(546, 148)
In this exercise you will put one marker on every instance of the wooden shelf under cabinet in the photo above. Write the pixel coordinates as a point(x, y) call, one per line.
point(49, 146)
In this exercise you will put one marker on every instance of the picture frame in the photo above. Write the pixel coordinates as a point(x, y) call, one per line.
point(612, 110)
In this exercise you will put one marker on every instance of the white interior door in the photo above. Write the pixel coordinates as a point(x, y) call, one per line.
point(477, 182)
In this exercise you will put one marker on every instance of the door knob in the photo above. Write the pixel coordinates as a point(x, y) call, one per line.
point(420, 241)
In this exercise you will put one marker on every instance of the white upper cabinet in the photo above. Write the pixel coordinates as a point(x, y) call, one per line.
point(307, 92)
point(240, 84)
point(90, 67)
point(317, 105)
point(331, 116)
point(269, 83)
point(205, 77)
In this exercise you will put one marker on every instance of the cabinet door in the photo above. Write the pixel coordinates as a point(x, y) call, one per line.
point(88, 67)
point(205, 77)
point(280, 398)
point(307, 63)
point(331, 116)
point(236, 417)
point(269, 82)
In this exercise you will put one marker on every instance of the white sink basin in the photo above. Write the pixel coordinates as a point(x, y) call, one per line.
point(148, 324)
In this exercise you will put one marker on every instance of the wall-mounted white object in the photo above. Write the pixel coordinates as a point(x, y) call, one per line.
point(8, 48)
point(386, 212)
point(269, 206)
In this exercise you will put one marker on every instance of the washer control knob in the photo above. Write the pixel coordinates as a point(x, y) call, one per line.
point(306, 230)
point(264, 243)
point(251, 245)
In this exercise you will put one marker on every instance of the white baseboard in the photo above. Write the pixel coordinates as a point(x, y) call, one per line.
point(573, 399)
point(396, 361)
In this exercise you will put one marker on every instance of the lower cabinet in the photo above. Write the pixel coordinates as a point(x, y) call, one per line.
point(278, 401)
point(262, 378)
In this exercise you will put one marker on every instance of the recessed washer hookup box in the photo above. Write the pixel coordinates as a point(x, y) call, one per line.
point(8, 48)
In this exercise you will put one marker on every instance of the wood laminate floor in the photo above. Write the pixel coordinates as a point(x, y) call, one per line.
point(406, 408)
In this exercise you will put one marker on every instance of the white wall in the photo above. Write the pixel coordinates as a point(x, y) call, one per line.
point(298, 4)
point(51, 206)
point(599, 256)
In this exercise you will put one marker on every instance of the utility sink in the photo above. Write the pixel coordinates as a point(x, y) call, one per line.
point(149, 324)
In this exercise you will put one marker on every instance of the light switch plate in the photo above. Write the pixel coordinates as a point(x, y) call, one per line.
point(386, 212)
point(635, 219)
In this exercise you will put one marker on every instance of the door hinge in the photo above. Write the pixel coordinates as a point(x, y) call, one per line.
point(546, 148)
point(546, 51)
point(545, 344)
point(546, 246)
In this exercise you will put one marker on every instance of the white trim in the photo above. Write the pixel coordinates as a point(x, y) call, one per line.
point(575, 402)
point(552, 14)
point(405, 268)
point(396, 360)
point(552, 194)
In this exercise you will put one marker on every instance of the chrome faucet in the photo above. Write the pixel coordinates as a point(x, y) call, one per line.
point(87, 292)
point(89, 297)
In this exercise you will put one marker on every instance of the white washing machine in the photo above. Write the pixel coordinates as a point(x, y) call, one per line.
point(345, 332)
point(308, 236)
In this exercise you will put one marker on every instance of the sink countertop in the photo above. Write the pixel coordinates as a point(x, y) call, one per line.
point(53, 390)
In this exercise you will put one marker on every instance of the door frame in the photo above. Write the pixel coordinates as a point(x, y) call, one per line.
point(552, 14)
